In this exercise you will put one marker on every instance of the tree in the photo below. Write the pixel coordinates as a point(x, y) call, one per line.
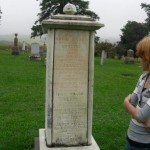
point(119, 50)
point(132, 33)
point(97, 39)
point(52, 7)
point(108, 47)
point(146, 7)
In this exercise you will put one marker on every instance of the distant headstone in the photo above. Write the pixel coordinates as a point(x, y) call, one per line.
point(15, 49)
point(35, 52)
point(24, 47)
point(103, 57)
point(130, 57)
point(44, 47)
point(69, 82)
point(130, 53)
point(41, 50)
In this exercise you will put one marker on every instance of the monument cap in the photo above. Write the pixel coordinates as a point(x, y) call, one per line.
point(70, 21)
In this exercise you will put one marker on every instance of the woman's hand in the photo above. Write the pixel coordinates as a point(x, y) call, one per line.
point(130, 108)
point(127, 100)
point(147, 123)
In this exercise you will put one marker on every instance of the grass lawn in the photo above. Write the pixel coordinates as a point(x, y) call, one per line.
point(22, 101)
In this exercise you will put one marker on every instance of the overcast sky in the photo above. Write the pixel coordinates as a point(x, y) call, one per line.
point(19, 15)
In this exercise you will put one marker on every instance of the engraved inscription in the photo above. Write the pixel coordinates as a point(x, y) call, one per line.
point(70, 87)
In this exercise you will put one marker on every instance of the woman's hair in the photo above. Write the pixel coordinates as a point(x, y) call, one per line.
point(143, 51)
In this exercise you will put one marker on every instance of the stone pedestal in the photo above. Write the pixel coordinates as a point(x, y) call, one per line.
point(42, 144)
point(69, 83)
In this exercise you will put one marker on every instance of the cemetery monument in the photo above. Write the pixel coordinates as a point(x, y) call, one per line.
point(130, 57)
point(103, 57)
point(69, 82)
point(24, 47)
point(15, 49)
point(35, 52)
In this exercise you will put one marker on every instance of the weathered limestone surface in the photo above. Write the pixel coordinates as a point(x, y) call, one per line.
point(43, 146)
point(70, 88)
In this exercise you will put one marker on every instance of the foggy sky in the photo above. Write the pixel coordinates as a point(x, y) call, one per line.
point(19, 15)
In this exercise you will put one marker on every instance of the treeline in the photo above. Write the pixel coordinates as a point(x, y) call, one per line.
point(132, 32)
point(5, 47)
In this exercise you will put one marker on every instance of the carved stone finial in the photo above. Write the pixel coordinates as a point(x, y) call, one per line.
point(69, 9)
point(16, 34)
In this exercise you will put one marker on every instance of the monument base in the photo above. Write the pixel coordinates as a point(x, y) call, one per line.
point(14, 53)
point(42, 144)
point(129, 60)
point(35, 58)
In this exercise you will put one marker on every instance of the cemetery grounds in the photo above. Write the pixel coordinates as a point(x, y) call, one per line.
point(22, 101)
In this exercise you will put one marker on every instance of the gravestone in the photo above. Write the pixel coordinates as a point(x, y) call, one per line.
point(23, 46)
point(41, 50)
point(44, 47)
point(69, 82)
point(35, 52)
point(15, 49)
point(103, 57)
point(130, 57)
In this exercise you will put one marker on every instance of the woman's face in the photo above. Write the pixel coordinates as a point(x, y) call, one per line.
point(143, 64)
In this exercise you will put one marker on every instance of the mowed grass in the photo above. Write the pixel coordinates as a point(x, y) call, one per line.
point(22, 101)
point(113, 82)
point(22, 92)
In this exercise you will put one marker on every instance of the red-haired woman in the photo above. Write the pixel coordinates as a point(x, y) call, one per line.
point(137, 104)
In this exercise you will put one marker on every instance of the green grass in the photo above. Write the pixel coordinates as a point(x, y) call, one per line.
point(22, 101)
point(113, 82)
point(22, 92)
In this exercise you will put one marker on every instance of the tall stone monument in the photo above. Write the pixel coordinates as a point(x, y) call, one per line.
point(15, 49)
point(69, 82)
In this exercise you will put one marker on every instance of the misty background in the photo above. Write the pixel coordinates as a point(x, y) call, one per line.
point(18, 16)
